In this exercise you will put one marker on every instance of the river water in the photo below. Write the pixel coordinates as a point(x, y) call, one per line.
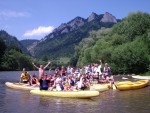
point(112, 101)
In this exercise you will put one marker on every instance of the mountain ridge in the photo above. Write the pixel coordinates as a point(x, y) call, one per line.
point(62, 41)
point(67, 35)
point(79, 22)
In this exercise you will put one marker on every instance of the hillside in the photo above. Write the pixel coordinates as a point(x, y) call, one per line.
point(62, 41)
point(12, 41)
point(29, 44)
point(125, 47)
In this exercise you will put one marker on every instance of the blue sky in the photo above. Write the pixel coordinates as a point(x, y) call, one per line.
point(34, 19)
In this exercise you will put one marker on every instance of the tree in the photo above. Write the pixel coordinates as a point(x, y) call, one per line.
point(45, 58)
point(3, 48)
point(135, 24)
point(2, 51)
point(132, 57)
point(14, 60)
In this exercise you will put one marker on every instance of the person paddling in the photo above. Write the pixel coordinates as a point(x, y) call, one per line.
point(41, 69)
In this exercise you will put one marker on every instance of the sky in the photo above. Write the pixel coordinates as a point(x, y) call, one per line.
point(34, 19)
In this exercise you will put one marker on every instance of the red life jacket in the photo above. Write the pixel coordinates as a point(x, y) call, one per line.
point(63, 70)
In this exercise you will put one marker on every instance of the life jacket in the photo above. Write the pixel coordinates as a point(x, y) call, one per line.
point(63, 71)
point(34, 81)
point(25, 76)
point(44, 84)
point(72, 82)
point(107, 71)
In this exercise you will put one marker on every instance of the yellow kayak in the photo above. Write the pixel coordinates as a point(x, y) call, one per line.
point(141, 77)
point(128, 85)
point(20, 86)
point(68, 94)
point(99, 87)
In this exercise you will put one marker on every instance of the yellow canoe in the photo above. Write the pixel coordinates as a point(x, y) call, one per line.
point(128, 85)
point(68, 94)
point(20, 86)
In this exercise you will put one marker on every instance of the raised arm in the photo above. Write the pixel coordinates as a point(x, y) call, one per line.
point(47, 65)
point(35, 65)
point(100, 62)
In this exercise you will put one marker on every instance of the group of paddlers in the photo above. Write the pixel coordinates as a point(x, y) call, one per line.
point(70, 78)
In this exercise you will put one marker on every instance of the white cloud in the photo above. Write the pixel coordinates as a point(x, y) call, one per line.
point(41, 30)
point(8, 14)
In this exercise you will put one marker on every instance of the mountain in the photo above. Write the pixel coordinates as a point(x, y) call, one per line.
point(108, 18)
point(92, 17)
point(12, 41)
point(62, 41)
point(29, 44)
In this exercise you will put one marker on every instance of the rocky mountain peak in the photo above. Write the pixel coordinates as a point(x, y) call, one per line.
point(92, 17)
point(70, 26)
point(62, 26)
point(76, 22)
point(107, 17)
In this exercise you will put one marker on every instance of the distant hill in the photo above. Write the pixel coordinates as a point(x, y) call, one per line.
point(12, 41)
point(29, 44)
point(62, 41)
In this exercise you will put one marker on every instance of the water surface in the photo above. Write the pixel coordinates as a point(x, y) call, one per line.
point(112, 101)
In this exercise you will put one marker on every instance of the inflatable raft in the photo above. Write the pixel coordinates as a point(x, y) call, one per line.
point(128, 85)
point(68, 94)
point(20, 86)
point(141, 77)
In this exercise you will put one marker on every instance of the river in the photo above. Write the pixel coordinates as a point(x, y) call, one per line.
point(112, 101)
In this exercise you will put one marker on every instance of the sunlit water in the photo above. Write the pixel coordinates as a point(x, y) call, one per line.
point(112, 101)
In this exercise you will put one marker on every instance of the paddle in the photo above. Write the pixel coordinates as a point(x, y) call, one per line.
point(114, 86)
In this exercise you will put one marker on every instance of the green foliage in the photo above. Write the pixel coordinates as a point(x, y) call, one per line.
point(131, 57)
point(125, 47)
point(11, 54)
point(87, 56)
point(73, 61)
point(2, 51)
point(13, 47)
point(12, 41)
point(45, 58)
point(2, 48)
point(14, 60)
point(134, 25)
point(93, 48)
point(28, 42)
